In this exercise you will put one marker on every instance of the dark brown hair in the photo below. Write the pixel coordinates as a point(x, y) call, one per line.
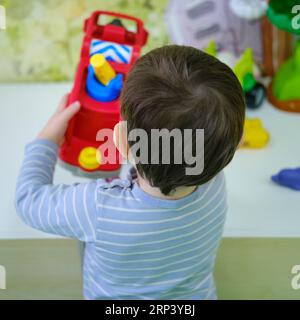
point(183, 87)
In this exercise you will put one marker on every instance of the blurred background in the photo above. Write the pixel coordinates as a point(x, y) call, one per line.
point(43, 38)
point(39, 51)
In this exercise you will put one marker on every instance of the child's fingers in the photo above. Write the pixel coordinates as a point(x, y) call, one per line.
point(63, 103)
point(70, 111)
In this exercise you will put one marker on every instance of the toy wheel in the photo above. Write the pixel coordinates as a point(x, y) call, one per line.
point(256, 96)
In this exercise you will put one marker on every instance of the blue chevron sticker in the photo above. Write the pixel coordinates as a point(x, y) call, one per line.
point(112, 51)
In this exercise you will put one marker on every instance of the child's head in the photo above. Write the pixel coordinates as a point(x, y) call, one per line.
point(182, 87)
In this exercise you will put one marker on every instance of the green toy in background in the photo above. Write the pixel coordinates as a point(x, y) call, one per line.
point(286, 83)
point(256, 136)
point(244, 70)
point(282, 15)
point(254, 90)
point(284, 91)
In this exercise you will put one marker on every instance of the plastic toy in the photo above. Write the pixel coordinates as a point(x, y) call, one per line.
point(288, 178)
point(255, 136)
point(211, 49)
point(249, 9)
point(244, 70)
point(196, 22)
point(108, 52)
point(284, 92)
point(254, 90)
point(103, 71)
point(89, 158)
point(102, 82)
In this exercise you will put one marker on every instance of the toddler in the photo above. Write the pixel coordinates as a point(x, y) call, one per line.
point(156, 235)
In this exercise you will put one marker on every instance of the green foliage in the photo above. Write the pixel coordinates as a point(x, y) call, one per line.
point(43, 38)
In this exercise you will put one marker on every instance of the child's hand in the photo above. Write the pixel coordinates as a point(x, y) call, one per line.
point(56, 127)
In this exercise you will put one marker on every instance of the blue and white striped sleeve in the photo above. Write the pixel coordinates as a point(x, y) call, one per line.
point(58, 209)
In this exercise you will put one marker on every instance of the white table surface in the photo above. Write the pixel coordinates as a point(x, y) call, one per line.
point(257, 206)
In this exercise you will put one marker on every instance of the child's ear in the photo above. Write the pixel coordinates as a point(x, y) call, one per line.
point(120, 138)
point(242, 141)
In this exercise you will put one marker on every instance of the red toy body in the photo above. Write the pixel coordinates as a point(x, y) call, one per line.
point(95, 115)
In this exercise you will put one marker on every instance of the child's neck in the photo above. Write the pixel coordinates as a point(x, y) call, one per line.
point(155, 192)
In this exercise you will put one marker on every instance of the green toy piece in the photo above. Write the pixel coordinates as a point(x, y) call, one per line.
point(243, 69)
point(211, 49)
point(280, 14)
point(286, 82)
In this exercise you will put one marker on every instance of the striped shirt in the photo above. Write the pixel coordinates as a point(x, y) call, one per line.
point(137, 246)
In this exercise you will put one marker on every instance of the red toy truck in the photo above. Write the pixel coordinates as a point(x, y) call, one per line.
point(100, 104)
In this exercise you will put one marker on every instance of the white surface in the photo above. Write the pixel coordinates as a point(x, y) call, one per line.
point(257, 207)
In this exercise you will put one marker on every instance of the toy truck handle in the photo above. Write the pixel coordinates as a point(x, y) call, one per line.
point(73, 97)
point(92, 27)
point(141, 34)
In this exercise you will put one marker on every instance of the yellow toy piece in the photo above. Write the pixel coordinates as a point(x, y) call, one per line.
point(89, 158)
point(103, 70)
point(255, 136)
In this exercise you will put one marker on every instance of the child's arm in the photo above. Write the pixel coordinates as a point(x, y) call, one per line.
point(64, 210)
